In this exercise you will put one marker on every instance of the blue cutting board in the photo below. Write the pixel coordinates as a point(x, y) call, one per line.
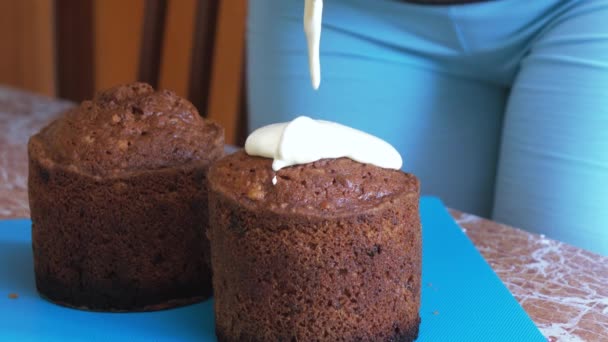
point(465, 301)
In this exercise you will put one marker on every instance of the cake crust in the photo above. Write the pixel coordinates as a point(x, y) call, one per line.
point(325, 188)
point(130, 128)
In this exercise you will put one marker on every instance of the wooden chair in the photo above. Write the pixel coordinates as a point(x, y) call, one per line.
point(216, 86)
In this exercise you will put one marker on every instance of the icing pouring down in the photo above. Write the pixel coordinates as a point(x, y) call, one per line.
point(304, 140)
point(313, 11)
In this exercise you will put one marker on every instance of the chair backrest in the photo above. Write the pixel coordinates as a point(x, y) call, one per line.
point(74, 46)
point(216, 77)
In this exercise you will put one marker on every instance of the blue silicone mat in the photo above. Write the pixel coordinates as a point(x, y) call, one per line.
point(462, 298)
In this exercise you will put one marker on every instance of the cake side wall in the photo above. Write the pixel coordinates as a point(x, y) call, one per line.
point(124, 244)
point(280, 276)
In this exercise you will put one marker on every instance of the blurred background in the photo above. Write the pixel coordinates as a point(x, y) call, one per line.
point(72, 48)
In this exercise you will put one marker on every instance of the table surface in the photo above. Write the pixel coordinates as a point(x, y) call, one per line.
point(564, 289)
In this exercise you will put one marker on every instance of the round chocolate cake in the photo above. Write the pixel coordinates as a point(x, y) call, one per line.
point(118, 198)
point(331, 252)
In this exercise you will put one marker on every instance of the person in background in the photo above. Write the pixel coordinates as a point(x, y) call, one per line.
point(500, 107)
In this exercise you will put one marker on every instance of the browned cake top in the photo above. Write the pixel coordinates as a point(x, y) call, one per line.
point(327, 187)
point(128, 128)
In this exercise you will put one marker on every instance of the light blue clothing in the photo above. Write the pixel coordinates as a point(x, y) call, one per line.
point(499, 107)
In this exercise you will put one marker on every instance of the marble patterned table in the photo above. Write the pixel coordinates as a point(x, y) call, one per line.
point(564, 289)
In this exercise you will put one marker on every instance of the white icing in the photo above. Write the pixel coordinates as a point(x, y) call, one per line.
point(313, 11)
point(305, 140)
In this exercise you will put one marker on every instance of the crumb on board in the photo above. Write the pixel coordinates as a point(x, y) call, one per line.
point(435, 312)
point(13, 296)
point(430, 284)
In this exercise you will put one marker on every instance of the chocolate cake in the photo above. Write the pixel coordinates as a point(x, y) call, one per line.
point(118, 198)
point(332, 252)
